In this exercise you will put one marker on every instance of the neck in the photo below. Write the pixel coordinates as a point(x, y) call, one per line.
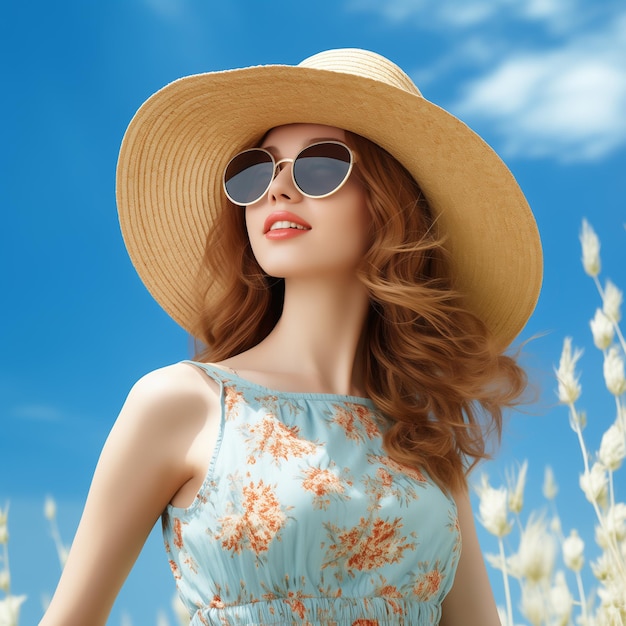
point(317, 341)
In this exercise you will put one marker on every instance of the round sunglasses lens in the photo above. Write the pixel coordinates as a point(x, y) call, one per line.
point(248, 176)
point(321, 168)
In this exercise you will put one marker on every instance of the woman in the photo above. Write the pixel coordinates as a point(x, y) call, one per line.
point(354, 261)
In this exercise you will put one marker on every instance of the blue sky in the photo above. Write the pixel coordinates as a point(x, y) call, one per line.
point(543, 81)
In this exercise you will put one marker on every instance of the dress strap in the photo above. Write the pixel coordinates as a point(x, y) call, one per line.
point(220, 374)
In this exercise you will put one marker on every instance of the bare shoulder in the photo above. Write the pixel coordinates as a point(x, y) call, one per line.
point(177, 381)
point(172, 393)
point(168, 412)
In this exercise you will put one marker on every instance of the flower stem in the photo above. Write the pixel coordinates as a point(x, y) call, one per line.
point(507, 590)
point(583, 601)
point(614, 549)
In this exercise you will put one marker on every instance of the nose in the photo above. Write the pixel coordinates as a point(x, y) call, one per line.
point(283, 187)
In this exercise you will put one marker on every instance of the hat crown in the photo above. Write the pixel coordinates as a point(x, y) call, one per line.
point(362, 63)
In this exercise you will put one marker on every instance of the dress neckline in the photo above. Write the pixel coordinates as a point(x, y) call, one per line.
point(230, 373)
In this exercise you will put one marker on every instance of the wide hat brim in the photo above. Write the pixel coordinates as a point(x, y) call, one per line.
point(178, 143)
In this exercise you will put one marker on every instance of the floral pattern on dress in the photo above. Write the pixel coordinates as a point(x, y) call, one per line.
point(428, 581)
point(399, 468)
point(372, 544)
point(325, 484)
point(393, 480)
point(292, 597)
point(272, 404)
point(254, 521)
point(232, 400)
point(392, 593)
point(357, 421)
point(270, 436)
point(304, 519)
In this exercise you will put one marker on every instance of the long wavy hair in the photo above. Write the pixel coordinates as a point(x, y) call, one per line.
point(430, 365)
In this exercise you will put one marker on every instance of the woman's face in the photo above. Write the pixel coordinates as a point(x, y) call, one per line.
point(293, 235)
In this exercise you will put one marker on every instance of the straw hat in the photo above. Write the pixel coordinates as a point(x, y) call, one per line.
point(178, 143)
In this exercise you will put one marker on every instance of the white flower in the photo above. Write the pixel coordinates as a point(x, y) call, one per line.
point(603, 567)
point(614, 371)
point(10, 610)
point(591, 249)
point(602, 330)
point(550, 488)
point(609, 615)
point(495, 560)
point(594, 483)
point(555, 526)
point(5, 581)
point(534, 559)
point(611, 302)
point(4, 529)
point(533, 605)
point(493, 513)
point(613, 447)
point(614, 526)
point(516, 489)
point(50, 509)
point(569, 388)
point(561, 600)
point(573, 551)
point(613, 594)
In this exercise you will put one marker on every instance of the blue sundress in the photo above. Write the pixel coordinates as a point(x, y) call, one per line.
point(303, 518)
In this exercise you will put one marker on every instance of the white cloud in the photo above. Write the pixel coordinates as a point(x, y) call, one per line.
point(547, 75)
point(568, 103)
point(437, 14)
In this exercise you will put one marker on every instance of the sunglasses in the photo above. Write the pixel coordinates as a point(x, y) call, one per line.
point(318, 171)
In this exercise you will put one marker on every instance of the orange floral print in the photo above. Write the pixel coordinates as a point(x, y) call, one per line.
point(427, 584)
point(365, 622)
point(357, 421)
point(369, 545)
point(455, 528)
point(399, 468)
point(260, 522)
point(216, 603)
point(385, 477)
point(323, 483)
point(391, 593)
point(273, 404)
point(294, 602)
point(178, 535)
point(232, 399)
point(191, 564)
point(281, 442)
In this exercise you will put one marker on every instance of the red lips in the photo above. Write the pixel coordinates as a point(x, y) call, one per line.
point(283, 216)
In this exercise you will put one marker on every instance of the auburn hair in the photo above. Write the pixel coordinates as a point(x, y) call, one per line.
point(430, 364)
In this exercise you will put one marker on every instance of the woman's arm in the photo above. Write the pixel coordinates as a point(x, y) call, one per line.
point(470, 602)
point(146, 459)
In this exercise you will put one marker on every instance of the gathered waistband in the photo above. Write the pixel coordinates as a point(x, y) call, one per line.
point(320, 611)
